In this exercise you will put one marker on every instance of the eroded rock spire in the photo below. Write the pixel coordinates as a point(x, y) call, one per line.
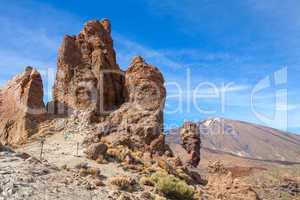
point(87, 72)
point(21, 107)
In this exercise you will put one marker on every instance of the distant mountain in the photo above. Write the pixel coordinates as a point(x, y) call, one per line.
point(246, 140)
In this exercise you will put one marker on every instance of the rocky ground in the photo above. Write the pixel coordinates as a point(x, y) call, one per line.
point(24, 177)
point(60, 175)
point(280, 182)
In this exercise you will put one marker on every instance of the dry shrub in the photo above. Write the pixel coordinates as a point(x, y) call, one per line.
point(123, 183)
point(89, 171)
point(172, 187)
point(118, 153)
point(146, 181)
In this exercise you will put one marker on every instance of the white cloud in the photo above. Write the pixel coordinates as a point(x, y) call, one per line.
point(206, 88)
point(200, 56)
point(127, 49)
point(286, 107)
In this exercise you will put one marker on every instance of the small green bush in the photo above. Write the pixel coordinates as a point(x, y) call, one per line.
point(172, 187)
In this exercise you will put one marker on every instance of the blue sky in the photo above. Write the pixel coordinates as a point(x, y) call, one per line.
point(214, 54)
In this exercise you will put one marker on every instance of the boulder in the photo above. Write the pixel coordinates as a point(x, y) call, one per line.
point(87, 73)
point(96, 150)
point(191, 142)
point(21, 107)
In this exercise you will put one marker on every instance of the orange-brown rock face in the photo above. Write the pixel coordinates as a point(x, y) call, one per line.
point(21, 107)
point(87, 73)
point(88, 79)
point(191, 142)
point(138, 123)
point(144, 84)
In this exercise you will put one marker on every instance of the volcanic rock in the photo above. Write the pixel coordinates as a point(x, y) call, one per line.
point(138, 122)
point(224, 186)
point(144, 85)
point(158, 145)
point(191, 142)
point(96, 150)
point(126, 106)
point(21, 107)
point(87, 73)
point(216, 167)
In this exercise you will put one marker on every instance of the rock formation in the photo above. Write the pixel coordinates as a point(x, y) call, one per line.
point(125, 106)
point(21, 107)
point(138, 122)
point(224, 186)
point(191, 142)
point(96, 150)
point(217, 167)
point(145, 85)
point(87, 72)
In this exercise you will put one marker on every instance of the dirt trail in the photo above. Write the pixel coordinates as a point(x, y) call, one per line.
point(61, 149)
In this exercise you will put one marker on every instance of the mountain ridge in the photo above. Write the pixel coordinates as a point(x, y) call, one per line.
point(246, 140)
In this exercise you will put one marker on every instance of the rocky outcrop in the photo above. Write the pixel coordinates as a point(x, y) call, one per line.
point(224, 186)
point(138, 122)
point(216, 167)
point(144, 86)
point(21, 107)
point(96, 150)
point(125, 107)
point(87, 73)
point(107, 104)
point(191, 142)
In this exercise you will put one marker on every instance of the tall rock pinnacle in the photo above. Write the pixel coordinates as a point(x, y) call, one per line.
point(191, 142)
point(87, 73)
point(21, 107)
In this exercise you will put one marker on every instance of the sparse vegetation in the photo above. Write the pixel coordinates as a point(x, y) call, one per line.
point(146, 181)
point(89, 171)
point(117, 154)
point(280, 180)
point(172, 187)
point(123, 183)
point(65, 167)
point(182, 175)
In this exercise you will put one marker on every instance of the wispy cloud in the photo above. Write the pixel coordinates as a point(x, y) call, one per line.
point(33, 35)
point(208, 89)
point(33, 32)
point(202, 56)
point(127, 49)
point(287, 107)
